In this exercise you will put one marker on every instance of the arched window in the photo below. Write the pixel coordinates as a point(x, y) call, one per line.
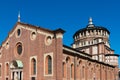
point(68, 59)
point(33, 66)
point(48, 65)
point(7, 69)
point(72, 71)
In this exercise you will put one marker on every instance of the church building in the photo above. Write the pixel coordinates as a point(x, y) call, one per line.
point(34, 53)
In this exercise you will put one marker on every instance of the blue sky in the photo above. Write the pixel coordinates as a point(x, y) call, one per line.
point(70, 15)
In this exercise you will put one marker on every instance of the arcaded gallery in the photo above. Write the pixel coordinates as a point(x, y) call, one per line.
point(34, 53)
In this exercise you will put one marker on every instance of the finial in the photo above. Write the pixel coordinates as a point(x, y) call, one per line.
point(90, 24)
point(19, 16)
point(90, 21)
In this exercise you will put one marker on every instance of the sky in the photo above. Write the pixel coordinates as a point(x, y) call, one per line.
point(70, 15)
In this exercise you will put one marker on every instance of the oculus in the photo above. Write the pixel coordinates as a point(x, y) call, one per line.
point(48, 40)
point(33, 36)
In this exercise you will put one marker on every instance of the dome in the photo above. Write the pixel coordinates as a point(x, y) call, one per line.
point(91, 35)
point(89, 27)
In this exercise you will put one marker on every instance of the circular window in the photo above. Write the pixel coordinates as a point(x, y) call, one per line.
point(19, 48)
point(33, 35)
point(48, 40)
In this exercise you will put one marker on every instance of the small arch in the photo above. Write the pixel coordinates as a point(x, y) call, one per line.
point(79, 62)
point(67, 59)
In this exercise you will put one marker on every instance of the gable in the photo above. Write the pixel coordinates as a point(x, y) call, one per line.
point(22, 32)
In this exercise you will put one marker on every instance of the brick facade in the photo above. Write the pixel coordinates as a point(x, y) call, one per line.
point(29, 60)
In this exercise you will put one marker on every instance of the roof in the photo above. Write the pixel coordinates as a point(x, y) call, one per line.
point(77, 51)
point(83, 54)
point(112, 55)
point(91, 28)
point(39, 27)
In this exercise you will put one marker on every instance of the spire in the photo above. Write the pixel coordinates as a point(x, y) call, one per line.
point(90, 23)
point(19, 16)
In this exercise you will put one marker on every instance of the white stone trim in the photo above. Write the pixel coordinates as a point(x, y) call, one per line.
point(15, 49)
point(45, 55)
point(35, 57)
point(46, 42)
point(59, 35)
point(19, 26)
point(17, 70)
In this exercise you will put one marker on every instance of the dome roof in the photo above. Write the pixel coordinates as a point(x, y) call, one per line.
point(91, 26)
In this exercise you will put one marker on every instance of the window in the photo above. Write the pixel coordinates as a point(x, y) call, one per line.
point(48, 40)
point(33, 36)
point(72, 71)
point(18, 32)
point(33, 66)
point(19, 48)
point(48, 65)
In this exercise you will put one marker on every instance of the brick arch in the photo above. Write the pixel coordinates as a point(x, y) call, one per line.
point(68, 60)
point(79, 62)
